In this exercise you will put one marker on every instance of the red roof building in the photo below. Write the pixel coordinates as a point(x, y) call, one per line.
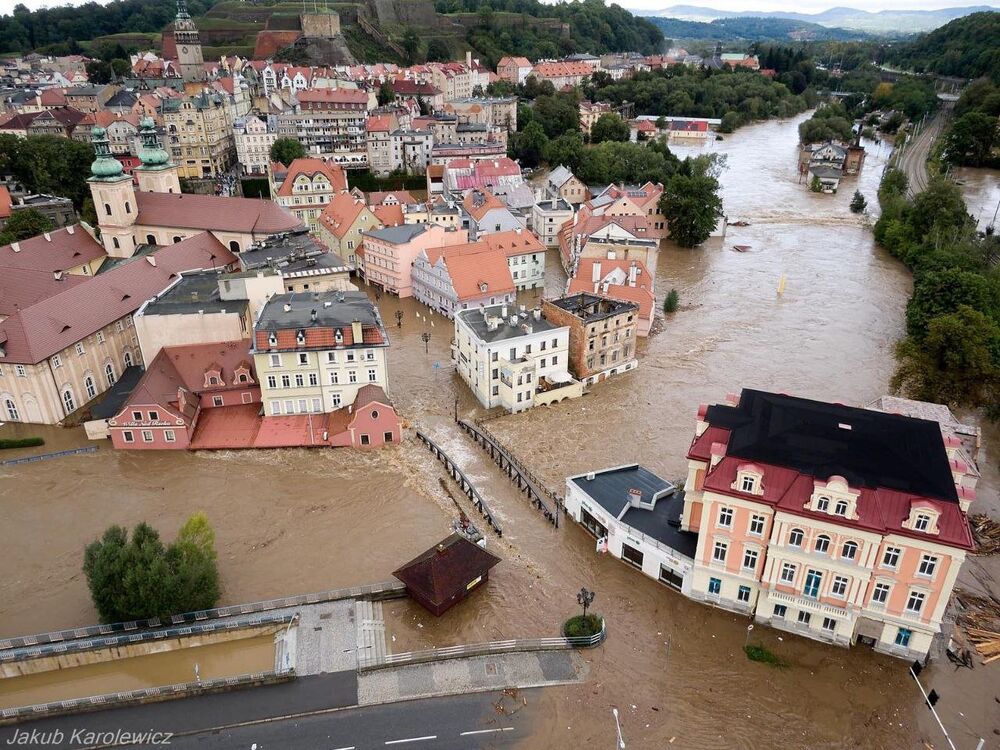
point(447, 573)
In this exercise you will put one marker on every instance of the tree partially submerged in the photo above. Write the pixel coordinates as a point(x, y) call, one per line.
point(691, 203)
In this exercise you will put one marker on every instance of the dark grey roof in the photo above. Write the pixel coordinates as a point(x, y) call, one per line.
point(821, 170)
point(290, 251)
point(193, 293)
point(115, 397)
point(398, 234)
point(476, 320)
point(121, 98)
point(592, 307)
point(334, 309)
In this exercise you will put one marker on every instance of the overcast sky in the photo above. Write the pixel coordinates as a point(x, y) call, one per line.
point(802, 6)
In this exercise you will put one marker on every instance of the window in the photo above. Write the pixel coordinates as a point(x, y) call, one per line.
point(372, 376)
point(286, 381)
point(714, 586)
point(331, 357)
point(757, 525)
point(748, 484)
point(779, 611)
point(903, 637)
point(303, 358)
point(915, 602)
point(849, 551)
point(839, 587)
point(272, 382)
point(275, 407)
point(365, 439)
point(927, 565)
point(128, 436)
point(335, 399)
point(334, 378)
point(68, 401)
point(795, 538)
point(107, 209)
point(350, 356)
point(147, 436)
point(880, 594)
point(891, 557)
point(841, 508)
point(632, 556)
point(88, 384)
point(726, 517)
point(299, 380)
point(20, 371)
point(823, 504)
point(719, 552)
point(56, 362)
point(788, 573)
point(822, 543)
point(804, 617)
point(213, 380)
point(100, 337)
point(316, 406)
point(922, 523)
point(313, 379)
point(829, 624)
point(169, 436)
point(814, 579)
point(79, 348)
point(743, 594)
point(11, 410)
point(217, 401)
point(352, 376)
point(275, 360)
point(750, 559)
point(387, 437)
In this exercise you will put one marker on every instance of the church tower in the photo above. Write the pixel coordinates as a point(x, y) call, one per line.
point(114, 198)
point(157, 174)
point(189, 58)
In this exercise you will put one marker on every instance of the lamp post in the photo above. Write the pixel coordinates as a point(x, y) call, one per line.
point(399, 318)
point(585, 598)
point(425, 337)
point(618, 726)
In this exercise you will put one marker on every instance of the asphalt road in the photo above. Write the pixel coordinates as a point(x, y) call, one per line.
point(913, 160)
point(464, 722)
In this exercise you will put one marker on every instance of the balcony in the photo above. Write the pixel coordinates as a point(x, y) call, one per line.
point(548, 392)
point(802, 602)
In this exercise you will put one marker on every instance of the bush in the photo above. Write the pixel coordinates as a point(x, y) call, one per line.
point(671, 302)
point(21, 443)
point(761, 654)
point(582, 627)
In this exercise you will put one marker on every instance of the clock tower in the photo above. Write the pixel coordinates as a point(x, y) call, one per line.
point(189, 58)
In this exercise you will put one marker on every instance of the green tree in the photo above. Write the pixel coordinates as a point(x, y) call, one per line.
point(609, 127)
point(971, 139)
point(286, 150)
point(24, 224)
point(858, 202)
point(385, 94)
point(567, 149)
point(137, 577)
point(937, 293)
point(557, 114)
point(691, 201)
point(49, 164)
point(671, 301)
point(528, 146)
point(411, 45)
point(438, 51)
point(121, 67)
point(99, 71)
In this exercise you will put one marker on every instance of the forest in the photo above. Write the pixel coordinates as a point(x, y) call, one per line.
point(967, 47)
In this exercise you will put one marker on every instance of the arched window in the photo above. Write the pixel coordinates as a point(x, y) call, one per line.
point(850, 550)
point(234, 246)
point(150, 239)
point(127, 357)
point(114, 241)
point(68, 401)
point(12, 414)
point(107, 209)
point(128, 207)
point(176, 239)
point(243, 378)
point(795, 538)
point(822, 543)
point(109, 373)
point(88, 383)
point(841, 508)
point(213, 380)
point(823, 504)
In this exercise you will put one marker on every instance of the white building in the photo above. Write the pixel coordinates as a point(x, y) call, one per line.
point(514, 359)
point(547, 217)
point(253, 144)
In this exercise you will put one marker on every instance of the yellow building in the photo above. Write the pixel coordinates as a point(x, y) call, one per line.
point(200, 134)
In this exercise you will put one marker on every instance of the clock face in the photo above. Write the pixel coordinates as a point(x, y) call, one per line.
point(184, 50)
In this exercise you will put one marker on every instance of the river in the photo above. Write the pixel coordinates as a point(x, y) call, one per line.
point(297, 520)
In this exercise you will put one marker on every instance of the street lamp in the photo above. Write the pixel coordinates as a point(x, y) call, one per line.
point(585, 598)
point(399, 318)
point(425, 337)
point(621, 740)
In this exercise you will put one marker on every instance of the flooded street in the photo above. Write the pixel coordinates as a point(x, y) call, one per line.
point(297, 520)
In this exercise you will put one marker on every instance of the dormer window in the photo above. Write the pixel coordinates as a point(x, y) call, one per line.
point(749, 484)
point(923, 517)
point(300, 337)
point(272, 339)
point(749, 479)
point(823, 504)
point(922, 522)
point(213, 380)
point(840, 509)
point(834, 497)
point(338, 336)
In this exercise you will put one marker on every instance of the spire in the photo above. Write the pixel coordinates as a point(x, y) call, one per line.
point(152, 155)
point(105, 166)
point(182, 9)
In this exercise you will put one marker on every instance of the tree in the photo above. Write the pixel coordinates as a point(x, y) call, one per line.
point(567, 149)
point(411, 45)
point(121, 67)
point(99, 71)
point(136, 578)
point(385, 94)
point(671, 302)
point(438, 51)
point(691, 202)
point(858, 202)
point(937, 293)
point(286, 150)
point(528, 146)
point(609, 127)
point(557, 114)
point(815, 185)
point(971, 139)
point(49, 164)
point(24, 224)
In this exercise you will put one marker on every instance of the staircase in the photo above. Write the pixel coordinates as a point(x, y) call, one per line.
point(370, 623)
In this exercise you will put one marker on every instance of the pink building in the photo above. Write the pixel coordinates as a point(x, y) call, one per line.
point(180, 383)
point(370, 422)
point(389, 253)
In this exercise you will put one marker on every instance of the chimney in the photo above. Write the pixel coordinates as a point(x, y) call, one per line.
point(287, 307)
point(15, 246)
point(702, 424)
point(70, 229)
point(596, 276)
point(633, 270)
point(151, 260)
point(468, 58)
point(312, 315)
point(57, 275)
point(718, 451)
point(356, 331)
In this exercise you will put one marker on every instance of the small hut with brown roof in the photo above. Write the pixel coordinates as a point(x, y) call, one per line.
point(445, 574)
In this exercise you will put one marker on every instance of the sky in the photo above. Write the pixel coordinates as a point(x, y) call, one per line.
point(802, 6)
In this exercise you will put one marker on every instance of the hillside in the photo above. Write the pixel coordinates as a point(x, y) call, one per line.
point(886, 22)
point(967, 47)
point(752, 28)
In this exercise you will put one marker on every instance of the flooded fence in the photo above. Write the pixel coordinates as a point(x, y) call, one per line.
point(539, 495)
point(467, 487)
point(486, 649)
point(384, 590)
point(48, 456)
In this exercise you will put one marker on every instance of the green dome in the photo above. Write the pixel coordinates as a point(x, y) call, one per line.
point(105, 165)
point(151, 154)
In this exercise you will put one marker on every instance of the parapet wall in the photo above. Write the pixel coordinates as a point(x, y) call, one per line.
point(320, 25)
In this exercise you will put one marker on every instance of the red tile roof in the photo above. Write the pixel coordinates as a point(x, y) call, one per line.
point(390, 216)
point(57, 322)
point(21, 287)
point(561, 70)
point(642, 294)
point(379, 123)
point(401, 196)
point(340, 214)
point(213, 213)
point(513, 242)
point(403, 87)
point(335, 96)
point(311, 167)
point(63, 249)
point(477, 203)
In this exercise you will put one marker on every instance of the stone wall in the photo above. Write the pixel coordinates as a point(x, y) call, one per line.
point(320, 25)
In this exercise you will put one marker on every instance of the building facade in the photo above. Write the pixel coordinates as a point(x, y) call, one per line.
point(602, 334)
point(199, 134)
point(389, 253)
point(253, 144)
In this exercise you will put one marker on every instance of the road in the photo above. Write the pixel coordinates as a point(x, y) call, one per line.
point(464, 722)
point(913, 159)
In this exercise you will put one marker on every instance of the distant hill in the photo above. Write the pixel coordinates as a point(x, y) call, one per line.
point(749, 28)
point(884, 22)
point(968, 47)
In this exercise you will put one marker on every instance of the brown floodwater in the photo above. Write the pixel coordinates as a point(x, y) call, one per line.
point(298, 520)
point(226, 659)
point(981, 188)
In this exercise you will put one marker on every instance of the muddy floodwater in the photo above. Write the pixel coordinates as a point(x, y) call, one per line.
point(227, 659)
point(294, 521)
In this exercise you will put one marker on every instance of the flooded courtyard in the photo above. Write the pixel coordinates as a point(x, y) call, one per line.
point(296, 520)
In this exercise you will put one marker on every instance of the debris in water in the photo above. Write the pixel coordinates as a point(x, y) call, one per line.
point(741, 248)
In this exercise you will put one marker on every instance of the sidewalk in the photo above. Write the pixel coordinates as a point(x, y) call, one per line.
point(478, 673)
